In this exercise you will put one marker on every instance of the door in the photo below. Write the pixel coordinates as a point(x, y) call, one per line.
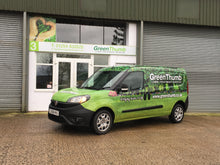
point(72, 72)
point(131, 99)
point(11, 61)
point(135, 98)
point(64, 75)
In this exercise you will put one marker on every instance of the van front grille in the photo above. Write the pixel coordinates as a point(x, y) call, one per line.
point(58, 104)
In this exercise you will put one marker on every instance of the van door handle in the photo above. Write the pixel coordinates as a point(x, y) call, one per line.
point(148, 96)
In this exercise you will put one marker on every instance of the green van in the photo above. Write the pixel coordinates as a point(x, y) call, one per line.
point(118, 94)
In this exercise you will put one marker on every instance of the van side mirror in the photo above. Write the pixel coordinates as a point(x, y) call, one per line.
point(124, 88)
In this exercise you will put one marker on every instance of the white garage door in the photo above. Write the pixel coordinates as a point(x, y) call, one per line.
point(197, 49)
point(10, 61)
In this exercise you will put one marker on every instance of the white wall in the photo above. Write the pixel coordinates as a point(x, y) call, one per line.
point(37, 100)
point(115, 60)
point(131, 34)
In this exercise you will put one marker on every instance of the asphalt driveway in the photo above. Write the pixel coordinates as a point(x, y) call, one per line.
point(33, 139)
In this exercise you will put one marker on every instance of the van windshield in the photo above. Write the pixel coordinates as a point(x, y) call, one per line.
point(102, 80)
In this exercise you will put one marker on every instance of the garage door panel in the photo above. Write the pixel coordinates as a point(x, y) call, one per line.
point(10, 61)
point(187, 54)
point(197, 49)
point(204, 97)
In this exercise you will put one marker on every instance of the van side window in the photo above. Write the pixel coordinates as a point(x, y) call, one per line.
point(134, 81)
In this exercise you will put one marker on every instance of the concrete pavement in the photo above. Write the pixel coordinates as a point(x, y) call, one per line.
point(33, 139)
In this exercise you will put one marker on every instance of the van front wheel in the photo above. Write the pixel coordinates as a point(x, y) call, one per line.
point(102, 122)
point(177, 114)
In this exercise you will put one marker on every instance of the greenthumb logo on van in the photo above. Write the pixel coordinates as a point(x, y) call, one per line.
point(163, 78)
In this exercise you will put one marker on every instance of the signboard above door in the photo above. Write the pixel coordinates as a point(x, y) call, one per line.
point(58, 47)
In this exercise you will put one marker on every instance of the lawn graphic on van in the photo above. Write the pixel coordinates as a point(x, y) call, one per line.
point(118, 94)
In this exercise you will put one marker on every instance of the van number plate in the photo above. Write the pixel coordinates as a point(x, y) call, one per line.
point(53, 112)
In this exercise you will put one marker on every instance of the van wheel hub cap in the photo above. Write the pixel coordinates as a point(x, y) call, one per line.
point(178, 114)
point(103, 122)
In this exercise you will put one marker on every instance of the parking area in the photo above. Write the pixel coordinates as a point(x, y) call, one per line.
point(33, 139)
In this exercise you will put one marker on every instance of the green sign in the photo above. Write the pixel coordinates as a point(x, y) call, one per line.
point(33, 46)
point(58, 47)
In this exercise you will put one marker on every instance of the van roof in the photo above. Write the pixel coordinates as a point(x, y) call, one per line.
point(124, 68)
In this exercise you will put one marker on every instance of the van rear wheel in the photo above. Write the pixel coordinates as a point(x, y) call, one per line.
point(102, 122)
point(177, 114)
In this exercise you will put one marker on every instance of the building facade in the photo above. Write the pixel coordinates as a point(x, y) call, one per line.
point(50, 45)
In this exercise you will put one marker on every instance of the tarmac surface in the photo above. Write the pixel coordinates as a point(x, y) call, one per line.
point(33, 139)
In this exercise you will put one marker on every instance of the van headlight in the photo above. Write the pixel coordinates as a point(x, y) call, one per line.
point(79, 99)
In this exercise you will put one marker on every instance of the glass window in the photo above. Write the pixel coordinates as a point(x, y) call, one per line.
point(102, 80)
point(64, 75)
point(73, 56)
point(134, 81)
point(44, 77)
point(67, 33)
point(100, 60)
point(82, 73)
point(45, 58)
point(114, 35)
point(91, 31)
point(91, 34)
point(44, 70)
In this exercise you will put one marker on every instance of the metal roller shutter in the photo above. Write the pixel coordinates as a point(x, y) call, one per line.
point(197, 49)
point(10, 61)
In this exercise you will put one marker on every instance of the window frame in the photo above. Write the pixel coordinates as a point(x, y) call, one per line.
point(99, 23)
point(99, 66)
point(78, 38)
point(53, 73)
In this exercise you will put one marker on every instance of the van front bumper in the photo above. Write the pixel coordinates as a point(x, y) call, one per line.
point(71, 114)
